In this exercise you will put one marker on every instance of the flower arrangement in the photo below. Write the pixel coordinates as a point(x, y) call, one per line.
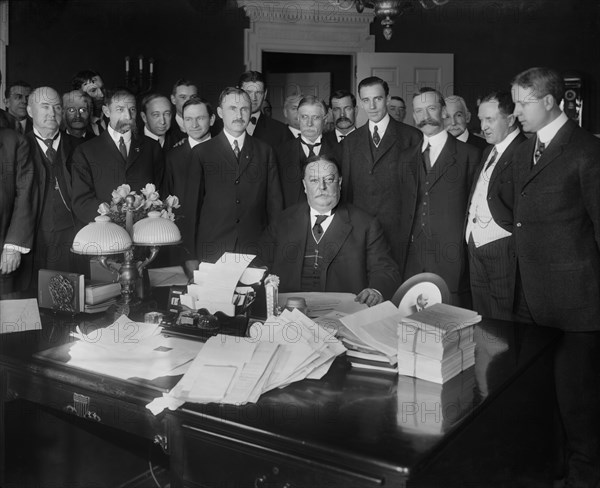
point(146, 201)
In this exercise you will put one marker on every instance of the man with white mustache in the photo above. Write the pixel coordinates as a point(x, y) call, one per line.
point(117, 156)
point(435, 182)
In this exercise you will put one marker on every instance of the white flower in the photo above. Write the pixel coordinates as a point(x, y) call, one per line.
point(139, 201)
point(120, 193)
point(103, 209)
point(172, 202)
point(152, 196)
point(148, 189)
point(167, 214)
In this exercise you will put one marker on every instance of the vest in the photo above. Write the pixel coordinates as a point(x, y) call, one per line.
point(55, 215)
point(312, 265)
point(421, 223)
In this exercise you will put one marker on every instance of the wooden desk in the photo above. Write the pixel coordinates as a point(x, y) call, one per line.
point(348, 429)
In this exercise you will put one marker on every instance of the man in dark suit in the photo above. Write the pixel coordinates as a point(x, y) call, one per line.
point(290, 113)
point(91, 82)
point(264, 128)
point(370, 161)
point(457, 119)
point(233, 189)
point(49, 151)
point(18, 205)
point(490, 216)
point(77, 111)
point(157, 116)
point(397, 108)
point(320, 245)
point(435, 181)
point(114, 158)
point(557, 246)
point(17, 94)
point(342, 104)
point(292, 154)
point(198, 118)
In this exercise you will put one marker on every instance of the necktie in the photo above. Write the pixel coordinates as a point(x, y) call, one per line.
point(310, 147)
point(20, 128)
point(50, 152)
point(253, 120)
point(492, 159)
point(236, 149)
point(317, 230)
point(538, 152)
point(426, 158)
point(123, 148)
point(376, 137)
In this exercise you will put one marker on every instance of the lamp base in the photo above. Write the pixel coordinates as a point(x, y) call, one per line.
point(124, 308)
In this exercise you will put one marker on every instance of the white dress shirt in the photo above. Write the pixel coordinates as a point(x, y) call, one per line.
point(240, 139)
point(152, 135)
point(547, 133)
point(193, 142)
point(464, 136)
point(294, 131)
point(480, 221)
point(325, 224)
point(437, 144)
point(116, 137)
point(381, 126)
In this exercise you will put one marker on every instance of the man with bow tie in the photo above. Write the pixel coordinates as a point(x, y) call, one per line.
point(115, 157)
point(264, 128)
point(322, 245)
point(292, 154)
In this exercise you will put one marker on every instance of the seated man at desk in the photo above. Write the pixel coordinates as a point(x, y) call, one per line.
point(322, 245)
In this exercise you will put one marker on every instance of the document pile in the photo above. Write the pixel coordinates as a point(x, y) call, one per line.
point(237, 370)
point(128, 349)
point(436, 343)
point(371, 336)
point(215, 286)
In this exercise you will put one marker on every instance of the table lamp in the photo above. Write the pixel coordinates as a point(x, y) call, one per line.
point(104, 238)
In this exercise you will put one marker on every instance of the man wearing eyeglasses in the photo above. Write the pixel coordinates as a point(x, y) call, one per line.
point(292, 154)
point(322, 245)
point(77, 110)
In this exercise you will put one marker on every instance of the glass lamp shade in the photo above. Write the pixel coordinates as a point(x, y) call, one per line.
point(155, 231)
point(101, 238)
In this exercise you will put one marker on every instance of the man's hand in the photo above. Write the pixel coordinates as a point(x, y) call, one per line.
point(9, 261)
point(370, 296)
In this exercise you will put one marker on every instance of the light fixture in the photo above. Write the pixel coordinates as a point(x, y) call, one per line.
point(388, 10)
point(104, 238)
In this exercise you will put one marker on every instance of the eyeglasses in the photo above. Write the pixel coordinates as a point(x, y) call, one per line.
point(73, 110)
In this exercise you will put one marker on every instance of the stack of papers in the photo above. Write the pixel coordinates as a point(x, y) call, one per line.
point(436, 343)
point(235, 370)
point(128, 349)
point(215, 286)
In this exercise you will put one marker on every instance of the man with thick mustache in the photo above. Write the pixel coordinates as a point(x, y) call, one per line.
point(435, 182)
point(115, 157)
point(370, 161)
point(343, 109)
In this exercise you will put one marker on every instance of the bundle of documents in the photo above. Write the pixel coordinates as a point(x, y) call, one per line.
point(436, 343)
point(128, 349)
point(371, 337)
point(221, 286)
point(237, 370)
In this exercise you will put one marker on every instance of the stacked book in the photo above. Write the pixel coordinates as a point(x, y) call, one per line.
point(364, 357)
point(436, 343)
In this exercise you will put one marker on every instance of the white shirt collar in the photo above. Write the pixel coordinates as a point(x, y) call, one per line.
point(116, 136)
point(240, 139)
point(313, 218)
point(193, 142)
point(464, 136)
point(547, 133)
point(502, 145)
point(317, 140)
point(338, 134)
point(436, 141)
point(256, 115)
point(41, 142)
point(381, 125)
point(152, 135)
point(294, 131)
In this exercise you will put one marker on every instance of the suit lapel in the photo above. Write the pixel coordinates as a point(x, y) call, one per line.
point(445, 160)
point(387, 141)
point(553, 151)
point(365, 147)
point(298, 226)
point(246, 154)
point(134, 151)
point(337, 233)
point(227, 152)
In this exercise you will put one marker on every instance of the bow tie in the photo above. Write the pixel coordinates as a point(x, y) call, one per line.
point(310, 145)
point(253, 120)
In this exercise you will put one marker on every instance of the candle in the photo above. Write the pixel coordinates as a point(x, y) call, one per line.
point(126, 64)
point(151, 65)
point(141, 61)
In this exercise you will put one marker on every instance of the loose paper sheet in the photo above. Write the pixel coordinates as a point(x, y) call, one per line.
point(19, 315)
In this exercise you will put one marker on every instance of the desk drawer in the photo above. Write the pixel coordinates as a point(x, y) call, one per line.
point(217, 460)
point(86, 404)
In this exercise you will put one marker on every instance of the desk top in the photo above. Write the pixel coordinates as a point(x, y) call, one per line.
point(394, 421)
